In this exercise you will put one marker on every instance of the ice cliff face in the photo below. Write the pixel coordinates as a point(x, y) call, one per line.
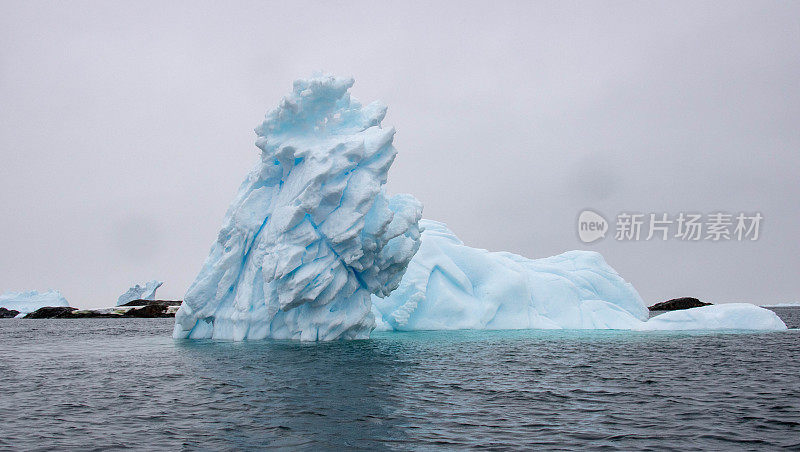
point(451, 286)
point(137, 292)
point(311, 235)
point(26, 302)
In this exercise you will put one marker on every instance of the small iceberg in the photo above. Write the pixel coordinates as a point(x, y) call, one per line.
point(731, 316)
point(137, 292)
point(26, 302)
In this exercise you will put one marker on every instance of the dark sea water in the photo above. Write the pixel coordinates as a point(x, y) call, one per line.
point(124, 383)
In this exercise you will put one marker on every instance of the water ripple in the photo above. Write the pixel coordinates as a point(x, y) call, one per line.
point(111, 383)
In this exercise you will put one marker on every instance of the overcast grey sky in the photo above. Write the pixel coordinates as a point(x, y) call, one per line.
point(125, 129)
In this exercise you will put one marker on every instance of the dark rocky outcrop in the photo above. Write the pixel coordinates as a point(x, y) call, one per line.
point(150, 311)
point(51, 312)
point(8, 313)
point(152, 302)
point(678, 303)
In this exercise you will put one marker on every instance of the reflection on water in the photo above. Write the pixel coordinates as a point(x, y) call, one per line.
point(125, 383)
point(329, 394)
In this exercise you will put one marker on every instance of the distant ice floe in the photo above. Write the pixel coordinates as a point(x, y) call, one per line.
point(26, 302)
point(782, 305)
point(138, 292)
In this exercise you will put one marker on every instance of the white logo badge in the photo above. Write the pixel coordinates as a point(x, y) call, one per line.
point(591, 226)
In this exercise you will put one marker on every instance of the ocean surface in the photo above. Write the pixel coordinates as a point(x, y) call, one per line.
point(94, 384)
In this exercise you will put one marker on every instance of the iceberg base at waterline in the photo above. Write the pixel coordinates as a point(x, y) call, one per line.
point(450, 286)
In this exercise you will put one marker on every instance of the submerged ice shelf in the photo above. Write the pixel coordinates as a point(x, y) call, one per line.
point(312, 248)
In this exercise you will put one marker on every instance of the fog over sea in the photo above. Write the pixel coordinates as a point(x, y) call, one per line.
point(114, 383)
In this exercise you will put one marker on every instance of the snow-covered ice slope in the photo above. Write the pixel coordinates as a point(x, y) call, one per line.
point(311, 235)
point(26, 302)
point(451, 286)
point(138, 292)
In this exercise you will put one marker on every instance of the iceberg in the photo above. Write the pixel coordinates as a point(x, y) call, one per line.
point(312, 248)
point(449, 286)
point(26, 302)
point(311, 235)
point(137, 292)
point(731, 316)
